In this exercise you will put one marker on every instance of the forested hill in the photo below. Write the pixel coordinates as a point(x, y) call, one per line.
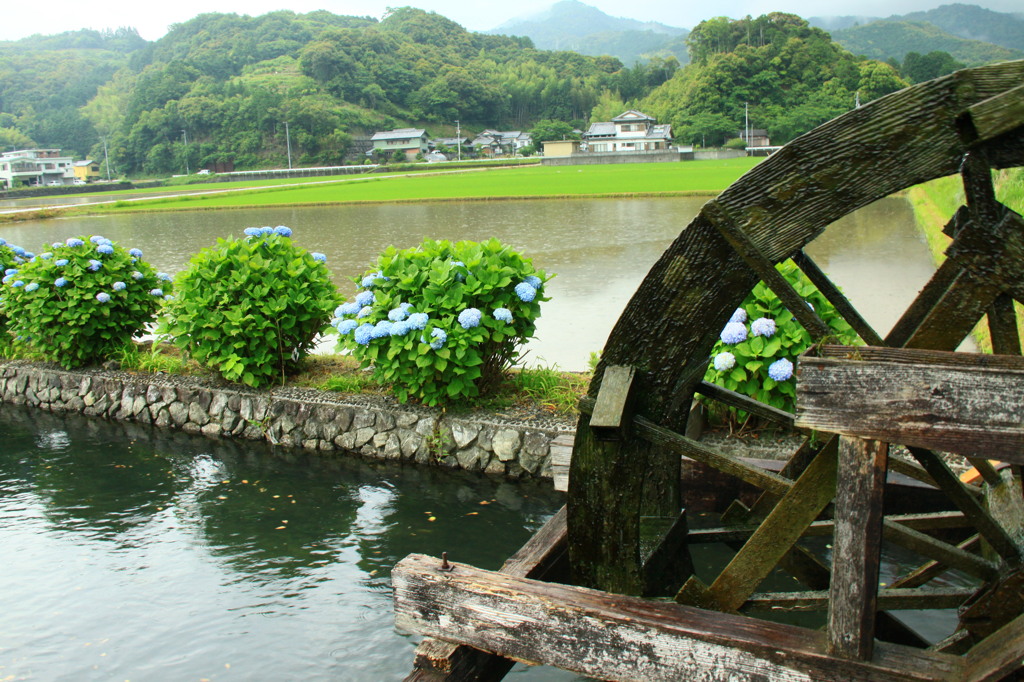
point(233, 81)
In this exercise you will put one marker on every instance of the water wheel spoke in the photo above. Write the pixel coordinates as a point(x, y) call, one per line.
point(1002, 324)
point(929, 571)
point(742, 402)
point(889, 599)
point(836, 297)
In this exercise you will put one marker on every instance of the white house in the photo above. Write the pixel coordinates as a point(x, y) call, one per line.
point(35, 167)
point(630, 131)
point(410, 141)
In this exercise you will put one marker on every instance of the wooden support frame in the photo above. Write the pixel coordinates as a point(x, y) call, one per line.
point(627, 638)
point(836, 297)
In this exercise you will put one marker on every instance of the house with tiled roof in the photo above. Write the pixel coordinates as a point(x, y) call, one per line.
point(409, 141)
point(630, 131)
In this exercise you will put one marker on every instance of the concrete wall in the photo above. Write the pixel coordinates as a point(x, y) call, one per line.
point(290, 417)
point(597, 158)
point(718, 154)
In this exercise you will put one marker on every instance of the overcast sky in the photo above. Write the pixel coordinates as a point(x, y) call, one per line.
point(20, 19)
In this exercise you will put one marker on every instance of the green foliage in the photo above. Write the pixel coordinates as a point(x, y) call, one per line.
point(895, 39)
point(735, 143)
point(548, 130)
point(429, 319)
point(748, 371)
point(918, 68)
point(547, 386)
point(251, 308)
point(83, 301)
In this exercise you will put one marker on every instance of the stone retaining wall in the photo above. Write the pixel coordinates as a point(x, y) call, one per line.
point(290, 417)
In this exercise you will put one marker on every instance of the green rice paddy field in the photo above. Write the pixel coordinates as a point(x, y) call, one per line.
point(655, 179)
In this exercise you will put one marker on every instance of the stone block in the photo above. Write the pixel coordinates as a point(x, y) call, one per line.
point(197, 415)
point(363, 436)
point(406, 420)
point(506, 444)
point(463, 434)
point(363, 419)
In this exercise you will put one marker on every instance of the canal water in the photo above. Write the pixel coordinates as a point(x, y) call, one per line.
point(135, 554)
point(600, 250)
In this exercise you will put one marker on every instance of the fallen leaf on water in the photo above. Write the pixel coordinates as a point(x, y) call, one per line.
point(245, 480)
point(484, 502)
point(432, 518)
point(473, 514)
point(221, 497)
point(276, 496)
point(281, 528)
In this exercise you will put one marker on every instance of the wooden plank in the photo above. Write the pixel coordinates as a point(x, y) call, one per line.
point(776, 535)
point(543, 556)
point(561, 460)
point(1002, 325)
point(611, 636)
point(842, 305)
point(940, 403)
point(998, 115)
point(892, 599)
point(997, 655)
point(734, 466)
point(856, 547)
point(612, 415)
point(738, 400)
point(926, 572)
point(948, 554)
point(921, 522)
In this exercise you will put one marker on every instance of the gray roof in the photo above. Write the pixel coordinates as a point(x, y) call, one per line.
point(633, 115)
point(663, 131)
point(601, 129)
point(399, 134)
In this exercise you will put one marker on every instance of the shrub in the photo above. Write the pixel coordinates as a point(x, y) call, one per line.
point(442, 321)
point(83, 300)
point(757, 351)
point(251, 308)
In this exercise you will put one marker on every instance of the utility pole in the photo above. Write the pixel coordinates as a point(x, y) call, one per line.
point(288, 140)
point(106, 159)
point(458, 138)
point(184, 136)
point(746, 124)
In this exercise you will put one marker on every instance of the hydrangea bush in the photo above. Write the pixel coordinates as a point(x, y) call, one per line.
point(757, 350)
point(252, 308)
point(82, 300)
point(442, 321)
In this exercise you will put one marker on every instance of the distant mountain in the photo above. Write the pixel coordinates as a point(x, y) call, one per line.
point(973, 35)
point(573, 25)
point(894, 39)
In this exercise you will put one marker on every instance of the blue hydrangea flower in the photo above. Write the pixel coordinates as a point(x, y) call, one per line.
point(780, 370)
point(119, 286)
point(365, 298)
point(319, 257)
point(48, 256)
point(363, 334)
point(401, 328)
point(347, 326)
point(405, 306)
point(60, 282)
point(156, 292)
point(525, 292)
point(368, 281)
point(29, 255)
point(350, 308)
point(31, 286)
point(418, 320)
point(11, 271)
point(17, 283)
point(283, 231)
point(96, 239)
point(382, 329)
point(503, 314)
point(739, 315)
point(251, 232)
point(469, 318)
point(734, 332)
point(18, 250)
point(725, 361)
point(137, 275)
point(94, 264)
point(60, 262)
point(439, 336)
point(57, 245)
point(3, 242)
point(7, 279)
point(397, 314)
point(73, 242)
point(533, 281)
point(164, 276)
point(19, 259)
point(168, 297)
point(763, 326)
point(103, 297)
point(266, 231)
point(105, 249)
point(135, 253)
point(363, 312)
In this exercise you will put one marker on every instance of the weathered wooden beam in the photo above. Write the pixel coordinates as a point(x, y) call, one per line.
point(738, 400)
point(734, 466)
point(892, 599)
point(1002, 325)
point(998, 655)
point(561, 460)
point(856, 547)
point(543, 556)
point(929, 399)
point(612, 415)
point(836, 297)
point(998, 115)
point(774, 537)
point(921, 522)
point(948, 554)
point(928, 571)
point(611, 636)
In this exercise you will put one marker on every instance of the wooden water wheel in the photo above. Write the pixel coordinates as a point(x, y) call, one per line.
point(626, 531)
